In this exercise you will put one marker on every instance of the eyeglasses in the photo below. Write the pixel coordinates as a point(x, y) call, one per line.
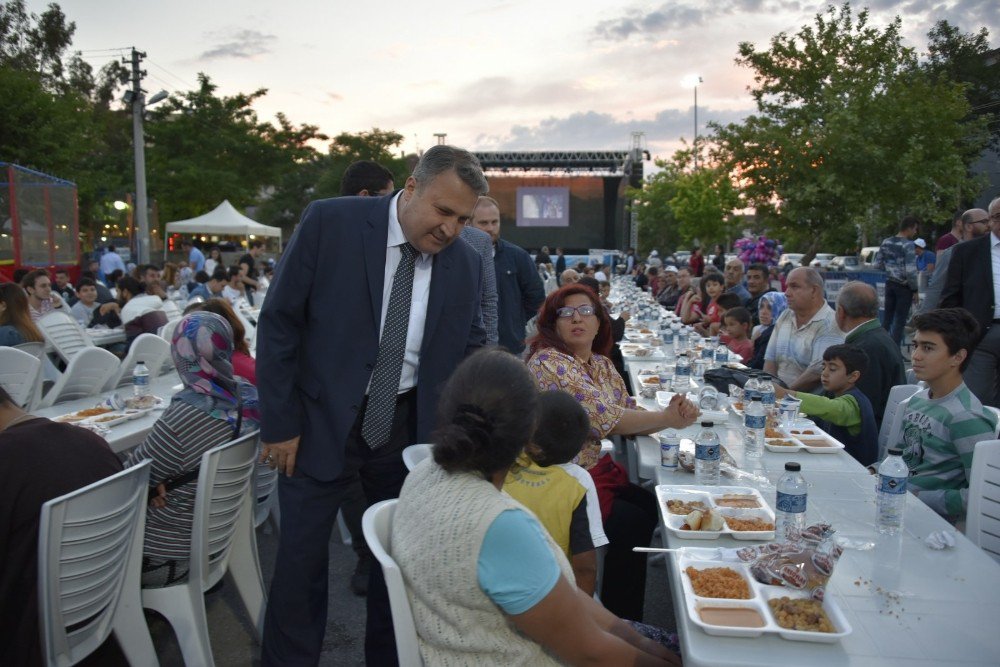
point(984, 221)
point(584, 311)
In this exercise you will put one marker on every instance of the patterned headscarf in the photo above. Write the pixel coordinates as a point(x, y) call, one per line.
point(202, 349)
point(778, 303)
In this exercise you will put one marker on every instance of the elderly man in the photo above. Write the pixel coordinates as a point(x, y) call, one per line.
point(349, 378)
point(520, 290)
point(973, 283)
point(568, 277)
point(757, 286)
point(803, 332)
point(733, 276)
point(974, 223)
point(857, 317)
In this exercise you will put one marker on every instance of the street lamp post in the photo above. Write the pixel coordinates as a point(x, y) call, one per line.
point(692, 81)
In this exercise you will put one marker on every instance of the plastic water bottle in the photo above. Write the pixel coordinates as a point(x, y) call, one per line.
point(790, 505)
point(140, 379)
point(721, 355)
point(708, 350)
point(707, 454)
point(682, 374)
point(670, 446)
point(754, 422)
point(890, 493)
point(766, 389)
point(750, 389)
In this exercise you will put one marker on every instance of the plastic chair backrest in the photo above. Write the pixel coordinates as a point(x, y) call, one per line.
point(167, 331)
point(35, 349)
point(89, 542)
point(19, 375)
point(892, 420)
point(172, 310)
point(996, 413)
point(414, 454)
point(86, 374)
point(376, 524)
point(65, 334)
point(982, 521)
point(224, 503)
point(148, 348)
point(265, 492)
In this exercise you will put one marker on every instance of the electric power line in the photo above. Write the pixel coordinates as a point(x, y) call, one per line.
point(187, 84)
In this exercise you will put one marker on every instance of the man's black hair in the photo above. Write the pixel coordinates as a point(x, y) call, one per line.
point(957, 327)
point(364, 175)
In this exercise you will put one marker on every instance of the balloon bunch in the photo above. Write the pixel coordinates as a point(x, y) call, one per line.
point(758, 250)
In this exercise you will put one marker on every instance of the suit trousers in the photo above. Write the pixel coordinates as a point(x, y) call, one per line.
point(981, 373)
point(295, 620)
point(898, 299)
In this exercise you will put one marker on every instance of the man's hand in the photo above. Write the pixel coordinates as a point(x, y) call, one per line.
point(625, 315)
point(780, 392)
point(110, 306)
point(160, 499)
point(281, 455)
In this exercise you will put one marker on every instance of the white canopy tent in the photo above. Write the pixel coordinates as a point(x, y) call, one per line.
point(223, 220)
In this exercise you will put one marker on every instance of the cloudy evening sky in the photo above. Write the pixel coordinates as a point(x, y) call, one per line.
point(502, 74)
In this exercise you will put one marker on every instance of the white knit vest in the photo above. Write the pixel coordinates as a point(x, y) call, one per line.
point(437, 531)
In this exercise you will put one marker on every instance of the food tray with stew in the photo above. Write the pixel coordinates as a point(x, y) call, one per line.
point(812, 439)
point(708, 512)
point(722, 598)
point(107, 416)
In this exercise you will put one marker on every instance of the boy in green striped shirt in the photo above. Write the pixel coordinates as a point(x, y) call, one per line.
point(943, 423)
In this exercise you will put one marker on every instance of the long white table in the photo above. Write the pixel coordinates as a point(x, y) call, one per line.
point(128, 434)
point(907, 603)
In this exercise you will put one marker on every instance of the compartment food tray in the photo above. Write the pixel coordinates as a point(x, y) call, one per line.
point(104, 419)
point(705, 494)
point(802, 441)
point(760, 594)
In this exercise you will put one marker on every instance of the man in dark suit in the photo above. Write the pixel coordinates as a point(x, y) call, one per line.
point(349, 377)
point(857, 317)
point(974, 284)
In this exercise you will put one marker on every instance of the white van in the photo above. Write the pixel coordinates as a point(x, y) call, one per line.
point(867, 256)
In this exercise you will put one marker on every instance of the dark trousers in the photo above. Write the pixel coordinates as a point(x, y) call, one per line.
point(981, 375)
point(633, 519)
point(898, 299)
point(295, 621)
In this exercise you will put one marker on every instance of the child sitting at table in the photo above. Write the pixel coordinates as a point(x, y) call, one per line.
point(561, 494)
point(736, 326)
point(942, 424)
point(842, 411)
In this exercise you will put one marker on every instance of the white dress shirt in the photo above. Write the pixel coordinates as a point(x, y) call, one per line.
point(423, 265)
point(995, 258)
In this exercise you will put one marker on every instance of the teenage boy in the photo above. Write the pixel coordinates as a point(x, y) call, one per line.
point(943, 423)
point(736, 325)
point(843, 410)
point(561, 494)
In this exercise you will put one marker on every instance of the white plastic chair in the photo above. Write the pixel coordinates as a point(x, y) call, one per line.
point(148, 348)
point(167, 330)
point(19, 376)
point(65, 334)
point(892, 420)
point(265, 483)
point(996, 413)
point(414, 454)
point(222, 539)
point(85, 375)
point(982, 521)
point(377, 527)
point(172, 310)
point(89, 564)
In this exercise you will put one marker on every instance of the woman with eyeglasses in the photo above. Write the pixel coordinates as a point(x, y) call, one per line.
point(569, 353)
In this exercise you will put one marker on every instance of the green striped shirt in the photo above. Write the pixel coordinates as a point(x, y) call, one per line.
point(937, 438)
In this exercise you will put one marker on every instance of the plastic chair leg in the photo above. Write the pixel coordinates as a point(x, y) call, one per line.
point(184, 609)
point(244, 568)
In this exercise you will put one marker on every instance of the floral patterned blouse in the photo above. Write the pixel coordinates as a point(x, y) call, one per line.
point(595, 384)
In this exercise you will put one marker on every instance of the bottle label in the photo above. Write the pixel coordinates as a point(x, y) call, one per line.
point(707, 452)
point(140, 379)
point(893, 485)
point(754, 421)
point(768, 398)
point(793, 503)
point(706, 353)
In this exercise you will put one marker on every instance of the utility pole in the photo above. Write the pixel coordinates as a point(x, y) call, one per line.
point(134, 95)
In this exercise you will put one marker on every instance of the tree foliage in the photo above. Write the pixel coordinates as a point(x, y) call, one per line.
point(849, 132)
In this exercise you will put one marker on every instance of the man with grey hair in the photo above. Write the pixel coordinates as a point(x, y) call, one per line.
point(973, 283)
point(857, 316)
point(972, 224)
point(350, 377)
point(733, 276)
point(803, 332)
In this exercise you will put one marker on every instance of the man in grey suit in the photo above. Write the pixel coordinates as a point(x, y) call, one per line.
point(348, 378)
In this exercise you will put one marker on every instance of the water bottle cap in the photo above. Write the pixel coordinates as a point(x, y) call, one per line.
point(755, 398)
point(707, 424)
point(792, 466)
point(894, 451)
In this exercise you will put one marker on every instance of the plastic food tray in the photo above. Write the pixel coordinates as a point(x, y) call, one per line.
point(760, 594)
point(705, 494)
point(120, 416)
point(805, 442)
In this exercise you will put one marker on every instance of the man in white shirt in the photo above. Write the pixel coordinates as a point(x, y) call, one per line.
point(803, 332)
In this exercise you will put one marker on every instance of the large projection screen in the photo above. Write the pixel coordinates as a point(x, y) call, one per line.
point(543, 207)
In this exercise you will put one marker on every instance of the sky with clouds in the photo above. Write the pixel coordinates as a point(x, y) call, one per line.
point(492, 74)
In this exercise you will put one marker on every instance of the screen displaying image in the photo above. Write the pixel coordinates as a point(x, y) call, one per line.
point(543, 207)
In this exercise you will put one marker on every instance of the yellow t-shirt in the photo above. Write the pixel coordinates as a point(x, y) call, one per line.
point(551, 493)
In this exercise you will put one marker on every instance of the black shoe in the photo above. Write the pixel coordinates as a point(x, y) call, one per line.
point(359, 580)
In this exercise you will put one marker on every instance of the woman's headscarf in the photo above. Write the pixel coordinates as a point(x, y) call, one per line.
point(202, 349)
point(778, 303)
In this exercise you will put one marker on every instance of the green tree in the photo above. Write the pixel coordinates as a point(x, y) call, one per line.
point(376, 145)
point(849, 132)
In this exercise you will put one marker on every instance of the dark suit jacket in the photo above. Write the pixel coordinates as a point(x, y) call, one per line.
point(885, 370)
point(970, 281)
point(318, 330)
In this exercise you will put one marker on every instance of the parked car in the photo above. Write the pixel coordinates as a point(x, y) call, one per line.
point(848, 263)
point(822, 260)
point(867, 257)
point(790, 260)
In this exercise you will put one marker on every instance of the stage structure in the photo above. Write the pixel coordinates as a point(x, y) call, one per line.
point(571, 199)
